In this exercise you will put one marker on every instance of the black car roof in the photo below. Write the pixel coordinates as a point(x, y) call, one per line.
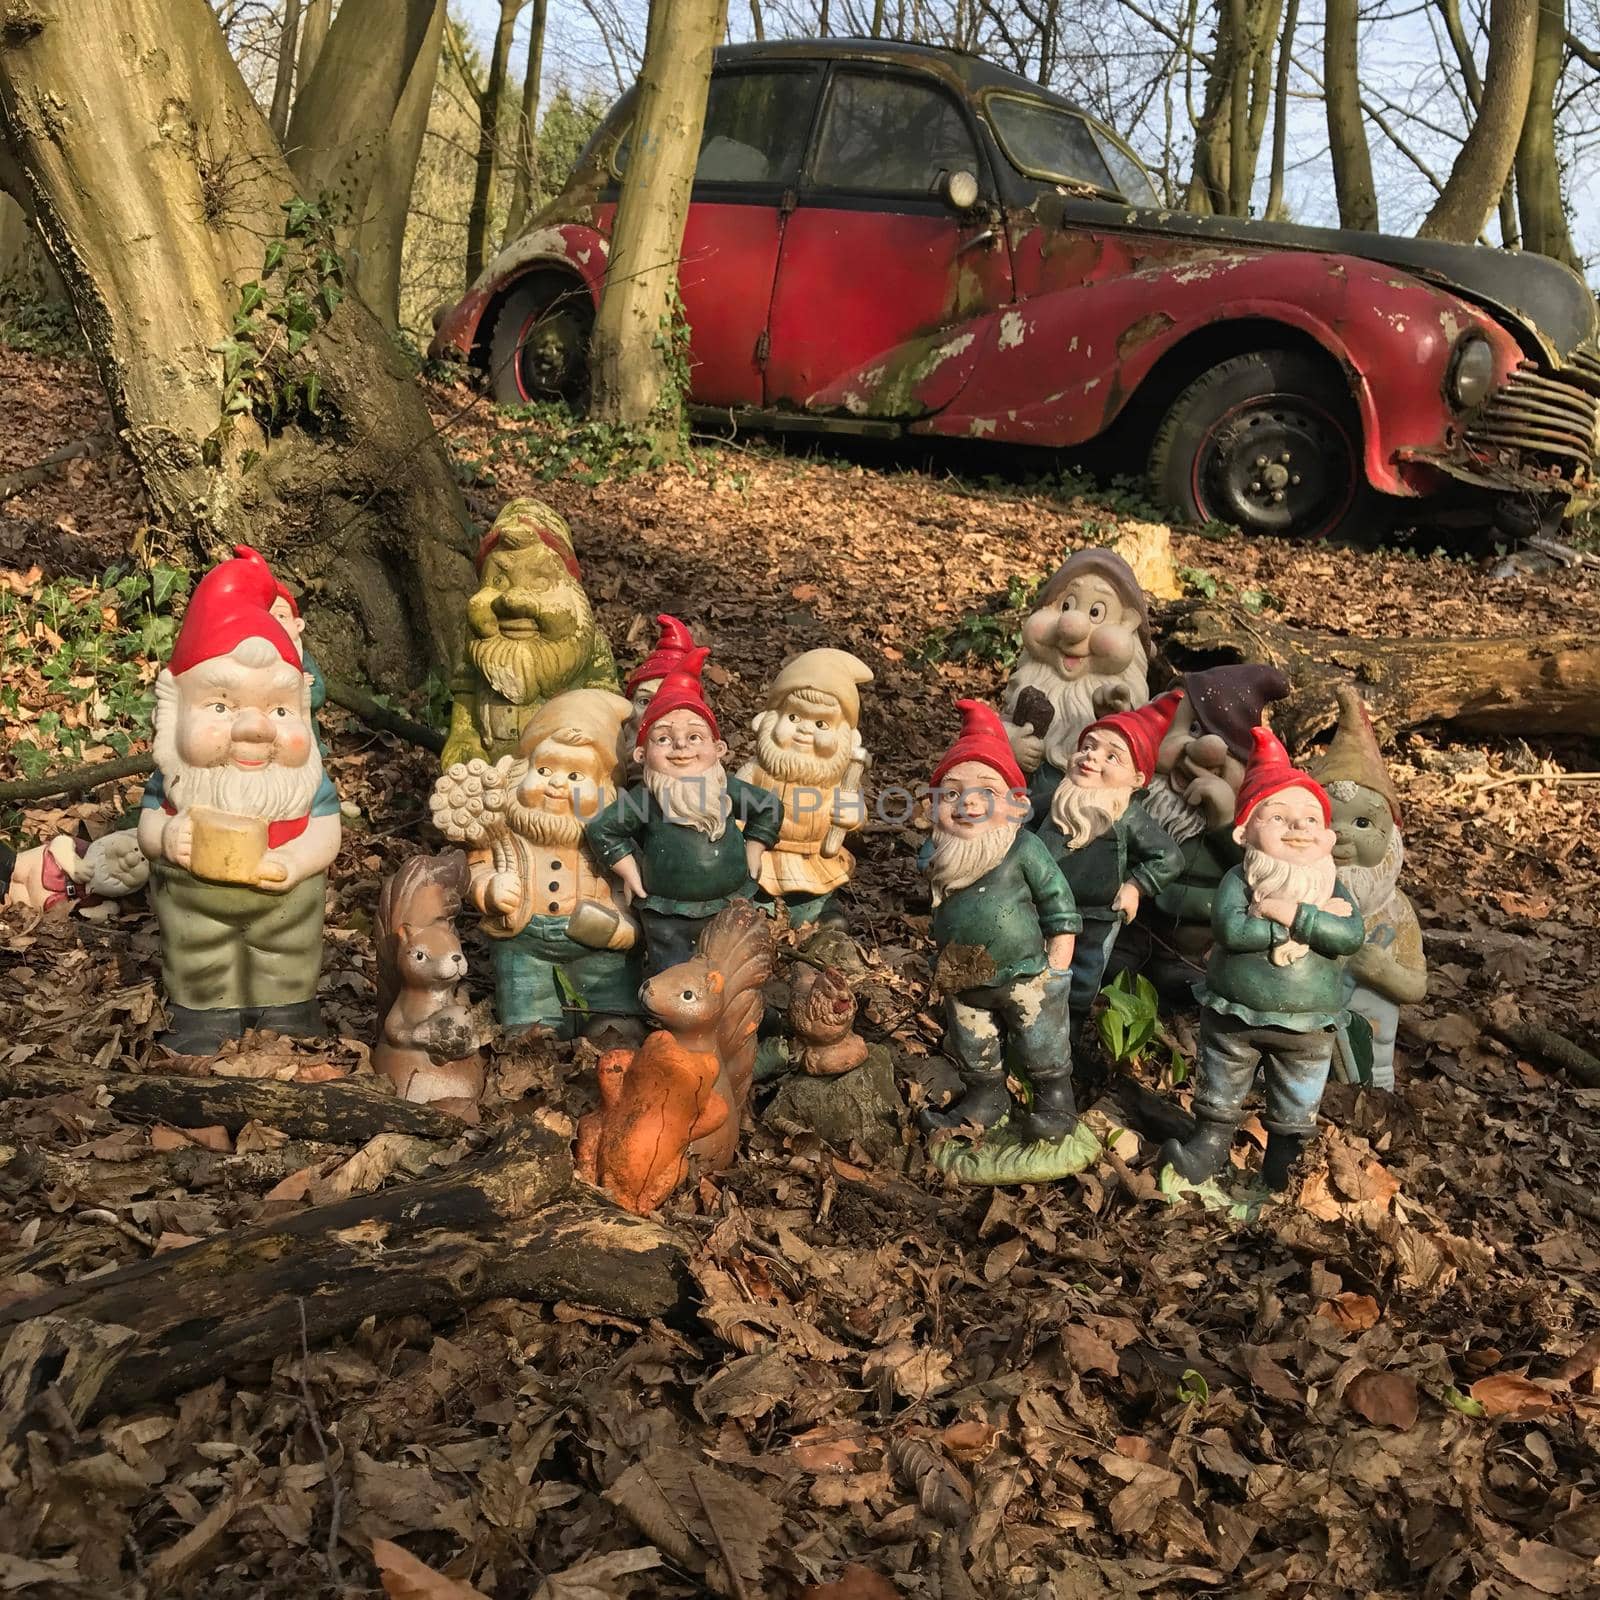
point(971, 72)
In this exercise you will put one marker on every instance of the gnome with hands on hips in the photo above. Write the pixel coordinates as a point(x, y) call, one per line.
point(810, 756)
point(1086, 652)
point(239, 820)
point(688, 838)
point(564, 949)
point(1005, 926)
point(1113, 855)
point(1390, 969)
point(1283, 927)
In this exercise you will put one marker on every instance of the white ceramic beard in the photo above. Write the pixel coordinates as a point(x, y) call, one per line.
point(1181, 820)
point(699, 802)
point(959, 859)
point(1083, 814)
point(798, 766)
point(1073, 698)
point(1306, 883)
point(274, 793)
point(521, 670)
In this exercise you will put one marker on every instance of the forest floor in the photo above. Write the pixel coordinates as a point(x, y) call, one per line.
point(1384, 1385)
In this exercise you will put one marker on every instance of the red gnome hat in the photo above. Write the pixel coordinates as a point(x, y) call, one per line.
point(680, 691)
point(1142, 730)
point(672, 646)
point(229, 605)
point(983, 738)
point(1270, 772)
point(244, 552)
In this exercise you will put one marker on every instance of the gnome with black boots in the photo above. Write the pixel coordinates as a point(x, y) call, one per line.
point(1005, 925)
point(1283, 928)
point(1390, 969)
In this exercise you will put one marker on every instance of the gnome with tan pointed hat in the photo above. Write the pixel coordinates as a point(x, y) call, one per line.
point(1389, 970)
point(810, 755)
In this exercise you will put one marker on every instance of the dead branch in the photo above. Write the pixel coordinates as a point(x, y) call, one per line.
point(1532, 1039)
point(75, 780)
point(15, 483)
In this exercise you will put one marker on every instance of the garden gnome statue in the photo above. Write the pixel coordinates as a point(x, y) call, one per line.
point(565, 951)
point(1389, 970)
point(1086, 648)
point(675, 642)
point(1283, 927)
point(1113, 855)
point(809, 754)
point(1005, 926)
point(239, 820)
point(687, 839)
point(531, 634)
point(74, 874)
point(1193, 795)
point(285, 610)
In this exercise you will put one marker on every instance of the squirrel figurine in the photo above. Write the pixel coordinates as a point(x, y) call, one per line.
point(683, 1091)
point(822, 1014)
point(428, 1032)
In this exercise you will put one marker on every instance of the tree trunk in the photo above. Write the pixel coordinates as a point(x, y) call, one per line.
point(1347, 131)
point(525, 177)
point(489, 139)
point(313, 35)
point(379, 241)
point(1451, 12)
point(1543, 216)
point(760, 29)
point(634, 328)
point(1280, 119)
point(1474, 186)
point(1500, 686)
point(511, 1224)
point(283, 83)
point(350, 495)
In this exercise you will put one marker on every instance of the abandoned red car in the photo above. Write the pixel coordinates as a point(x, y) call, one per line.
point(888, 237)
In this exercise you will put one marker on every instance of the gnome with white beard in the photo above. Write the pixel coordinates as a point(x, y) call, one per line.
point(1086, 652)
point(1390, 969)
point(239, 820)
point(1283, 927)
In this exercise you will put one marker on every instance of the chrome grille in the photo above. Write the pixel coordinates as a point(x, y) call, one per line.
point(1544, 415)
point(1586, 368)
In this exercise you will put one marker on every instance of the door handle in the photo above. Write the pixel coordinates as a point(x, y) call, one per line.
point(987, 238)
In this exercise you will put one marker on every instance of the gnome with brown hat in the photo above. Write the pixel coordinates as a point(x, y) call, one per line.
point(1283, 927)
point(810, 755)
point(1389, 970)
point(1086, 651)
point(565, 950)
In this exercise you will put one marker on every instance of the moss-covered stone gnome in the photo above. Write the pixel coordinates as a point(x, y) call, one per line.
point(1005, 926)
point(1086, 651)
point(1113, 854)
point(531, 634)
point(687, 840)
point(566, 952)
point(1283, 927)
point(810, 755)
point(239, 820)
point(1390, 969)
point(673, 644)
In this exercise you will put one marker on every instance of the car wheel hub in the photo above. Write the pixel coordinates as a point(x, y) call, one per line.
point(1275, 466)
point(551, 351)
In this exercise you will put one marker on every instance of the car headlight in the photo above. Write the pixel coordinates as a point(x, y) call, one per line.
point(1471, 373)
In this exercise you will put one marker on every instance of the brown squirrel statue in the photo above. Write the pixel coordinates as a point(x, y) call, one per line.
point(822, 1016)
point(428, 1032)
point(683, 1091)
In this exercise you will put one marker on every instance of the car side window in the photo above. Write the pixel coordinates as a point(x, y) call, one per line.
point(890, 135)
point(1045, 141)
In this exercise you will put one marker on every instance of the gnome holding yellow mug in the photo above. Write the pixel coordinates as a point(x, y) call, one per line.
point(1390, 970)
point(809, 754)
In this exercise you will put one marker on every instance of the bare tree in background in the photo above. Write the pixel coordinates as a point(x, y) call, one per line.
point(1347, 128)
point(1540, 207)
point(525, 171)
point(313, 35)
point(489, 106)
point(283, 82)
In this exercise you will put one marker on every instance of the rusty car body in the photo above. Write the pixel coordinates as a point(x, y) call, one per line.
point(887, 237)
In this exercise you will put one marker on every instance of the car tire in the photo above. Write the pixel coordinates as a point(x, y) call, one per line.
point(539, 349)
point(1269, 442)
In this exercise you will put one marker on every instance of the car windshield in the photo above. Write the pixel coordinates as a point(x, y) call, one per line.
point(1046, 141)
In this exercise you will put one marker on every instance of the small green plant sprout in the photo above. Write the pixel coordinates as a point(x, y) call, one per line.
point(1131, 1023)
point(994, 634)
point(1193, 1389)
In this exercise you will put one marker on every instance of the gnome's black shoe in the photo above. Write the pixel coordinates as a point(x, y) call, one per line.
point(985, 1102)
point(1202, 1154)
point(1054, 1112)
point(301, 1021)
point(1283, 1150)
point(201, 1033)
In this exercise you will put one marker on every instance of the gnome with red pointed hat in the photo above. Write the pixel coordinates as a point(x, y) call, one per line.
point(239, 820)
point(673, 645)
point(1113, 853)
point(1283, 928)
point(285, 610)
point(1005, 925)
point(687, 840)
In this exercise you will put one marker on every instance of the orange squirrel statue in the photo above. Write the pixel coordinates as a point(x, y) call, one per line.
point(683, 1091)
point(428, 1032)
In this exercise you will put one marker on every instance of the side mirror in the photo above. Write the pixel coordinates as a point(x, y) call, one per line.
point(960, 190)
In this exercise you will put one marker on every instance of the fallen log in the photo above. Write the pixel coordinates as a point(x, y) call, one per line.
point(511, 1224)
point(1518, 685)
point(27, 1169)
point(57, 1366)
point(15, 483)
point(346, 1111)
